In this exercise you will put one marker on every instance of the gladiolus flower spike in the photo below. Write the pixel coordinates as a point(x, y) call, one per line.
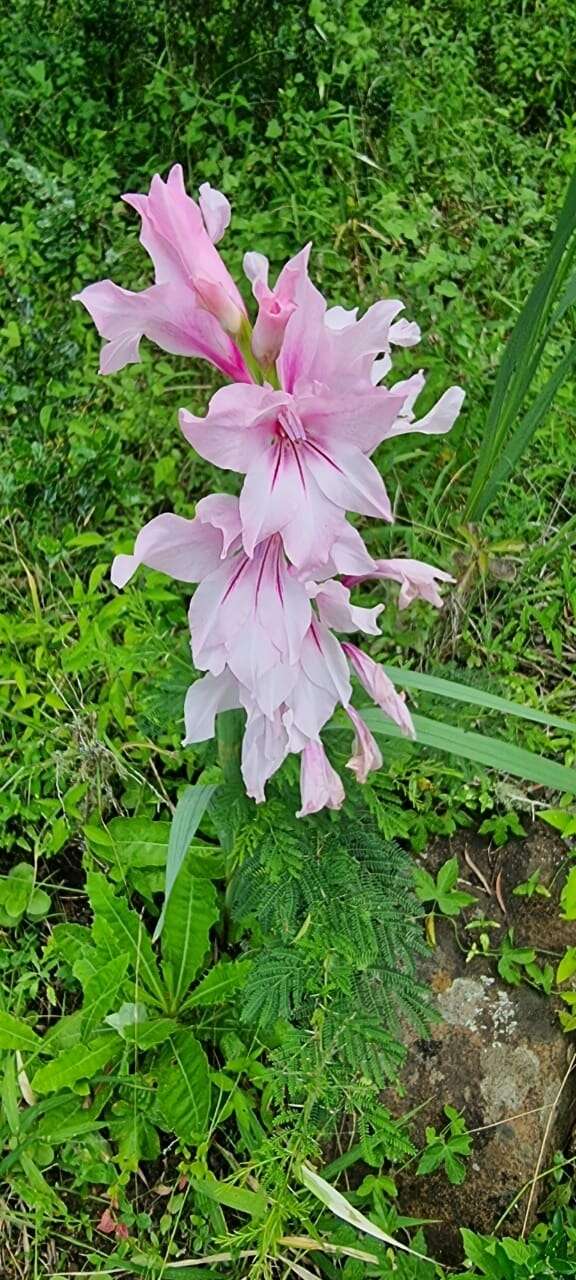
point(304, 410)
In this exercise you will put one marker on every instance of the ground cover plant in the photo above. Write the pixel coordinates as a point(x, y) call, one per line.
point(167, 1100)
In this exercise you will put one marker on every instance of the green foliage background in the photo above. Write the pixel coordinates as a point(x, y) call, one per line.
point(424, 147)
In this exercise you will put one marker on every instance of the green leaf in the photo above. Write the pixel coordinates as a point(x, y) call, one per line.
point(101, 992)
point(190, 810)
point(567, 966)
point(253, 1203)
point(190, 913)
point(568, 896)
point(82, 1062)
point(523, 353)
point(127, 931)
point(561, 820)
point(15, 1034)
point(139, 842)
point(183, 1096)
point(219, 984)
point(457, 692)
point(493, 753)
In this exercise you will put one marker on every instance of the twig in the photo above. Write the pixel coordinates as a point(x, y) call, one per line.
point(543, 1145)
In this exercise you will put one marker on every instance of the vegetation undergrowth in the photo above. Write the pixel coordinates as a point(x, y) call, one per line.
point(161, 1109)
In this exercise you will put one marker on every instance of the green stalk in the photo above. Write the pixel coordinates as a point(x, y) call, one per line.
point(229, 729)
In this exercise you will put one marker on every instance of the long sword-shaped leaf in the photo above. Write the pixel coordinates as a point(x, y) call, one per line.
point(493, 753)
point(190, 810)
point(477, 697)
point(522, 436)
point(524, 349)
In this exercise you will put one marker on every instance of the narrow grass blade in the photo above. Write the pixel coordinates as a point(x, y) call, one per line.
point(476, 697)
point(522, 436)
point(493, 753)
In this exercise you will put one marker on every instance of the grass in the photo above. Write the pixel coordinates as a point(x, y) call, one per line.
point(425, 148)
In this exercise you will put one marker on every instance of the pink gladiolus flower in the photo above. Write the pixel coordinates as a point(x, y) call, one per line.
point(304, 414)
point(366, 754)
point(320, 785)
point(304, 448)
point(194, 304)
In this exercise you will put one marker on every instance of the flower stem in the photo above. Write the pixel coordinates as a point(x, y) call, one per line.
point(229, 727)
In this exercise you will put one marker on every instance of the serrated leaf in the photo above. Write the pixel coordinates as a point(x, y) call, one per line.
point(15, 1034)
point(219, 984)
point(183, 1096)
point(101, 993)
point(69, 940)
point(192, 805)
point(82, 1062)
point(123, 930)
point(190, 913)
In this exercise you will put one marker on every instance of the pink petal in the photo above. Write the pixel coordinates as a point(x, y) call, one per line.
point(274, 489)
point(264, 747)
point(366, 755)
point(216, 211)
point(168, 315)
point(320, 785)
point(218, 302)
point(174, 234)
point(185, 549)
point(222, 511)
point(275, 305)
point(380, 688)
point(238, 426)
point(324, 662)
point(362, 419)
point(335, 610)
point(204, 699)
point(301, 338)
point(438, 421)
point(348, 478)
point(417, 579)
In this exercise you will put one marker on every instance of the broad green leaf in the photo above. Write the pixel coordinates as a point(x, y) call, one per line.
point(101, 993)
point(183, 1096)
point(139, 842)
point(219, 984)
point(133, 1024)
point(68, 941)
point(242, 1200)
point(82, 1062)
point(125, 928)
point(151, 1033)
point(190, 810)
point(493, 753)
point(477, 697)
point(15, 1034)
point(190, 913)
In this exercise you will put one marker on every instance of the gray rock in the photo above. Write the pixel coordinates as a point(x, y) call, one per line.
point(498, 1055)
